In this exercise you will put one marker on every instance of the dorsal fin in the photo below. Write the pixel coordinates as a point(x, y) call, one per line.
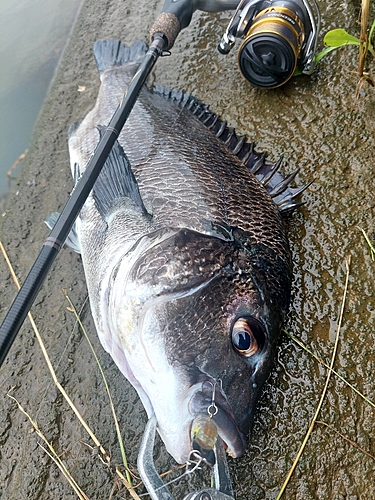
point(268, 174)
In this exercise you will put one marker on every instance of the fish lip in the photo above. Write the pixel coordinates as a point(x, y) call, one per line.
point(206, 400)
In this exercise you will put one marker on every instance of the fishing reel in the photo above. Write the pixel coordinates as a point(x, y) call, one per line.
point(278, 36)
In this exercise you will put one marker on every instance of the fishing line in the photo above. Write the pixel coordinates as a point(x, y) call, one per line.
point(188, 472)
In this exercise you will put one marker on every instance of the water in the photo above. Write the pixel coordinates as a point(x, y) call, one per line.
point(32, 38)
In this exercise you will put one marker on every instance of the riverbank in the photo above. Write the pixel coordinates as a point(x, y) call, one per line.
point(317, 125)
point(43, 186)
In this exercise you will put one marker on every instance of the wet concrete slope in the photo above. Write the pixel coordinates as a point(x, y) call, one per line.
point(317, 125)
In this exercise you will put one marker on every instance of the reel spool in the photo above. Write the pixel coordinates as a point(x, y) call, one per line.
point(278, 36)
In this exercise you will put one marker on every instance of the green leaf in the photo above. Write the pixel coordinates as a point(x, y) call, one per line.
point(339, 37)
point(324, 52)
point(372, 30)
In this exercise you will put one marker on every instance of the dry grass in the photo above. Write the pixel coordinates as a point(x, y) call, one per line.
point(323, 395)
point(103, 453)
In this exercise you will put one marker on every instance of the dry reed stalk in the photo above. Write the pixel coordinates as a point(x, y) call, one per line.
point(62, 390)
point(353, 443)
point(52, 453)
point(363, 38)
point(322, 397)
point(13, 167)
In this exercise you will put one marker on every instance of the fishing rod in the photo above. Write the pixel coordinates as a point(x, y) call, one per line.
point(277, 35)
point(175, 16)
point(260, 66)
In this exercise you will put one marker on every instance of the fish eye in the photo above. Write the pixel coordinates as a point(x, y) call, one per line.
point(247, 336)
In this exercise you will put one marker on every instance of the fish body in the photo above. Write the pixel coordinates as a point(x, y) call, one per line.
point(185, 255)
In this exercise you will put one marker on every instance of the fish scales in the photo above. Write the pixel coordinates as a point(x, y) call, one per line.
point(184, 175)
point(185, 255)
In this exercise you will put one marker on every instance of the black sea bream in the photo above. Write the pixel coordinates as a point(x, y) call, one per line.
point(185, 254)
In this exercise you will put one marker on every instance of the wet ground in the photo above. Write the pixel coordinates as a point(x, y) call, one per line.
point(317, 125)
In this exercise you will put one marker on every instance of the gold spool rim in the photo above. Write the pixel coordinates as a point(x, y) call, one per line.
point(284, 17)
point(294, 49)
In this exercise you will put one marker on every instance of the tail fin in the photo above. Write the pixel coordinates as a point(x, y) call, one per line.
point(109, 53)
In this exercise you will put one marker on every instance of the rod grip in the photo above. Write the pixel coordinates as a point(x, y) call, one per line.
point(168, 25)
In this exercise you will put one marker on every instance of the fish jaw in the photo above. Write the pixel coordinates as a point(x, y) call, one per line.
point(175, 425)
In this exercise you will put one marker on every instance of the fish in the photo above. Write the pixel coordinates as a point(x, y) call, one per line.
point(186, 257)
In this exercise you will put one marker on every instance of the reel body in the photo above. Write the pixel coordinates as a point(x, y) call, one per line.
point(277, 37)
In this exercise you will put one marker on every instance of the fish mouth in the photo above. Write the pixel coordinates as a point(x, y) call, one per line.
point(208, 400)
point(177, 423)
point(178, 410)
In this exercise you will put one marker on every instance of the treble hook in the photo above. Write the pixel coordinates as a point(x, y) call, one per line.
point(196, 463)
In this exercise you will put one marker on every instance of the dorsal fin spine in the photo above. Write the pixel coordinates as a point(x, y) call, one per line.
point(272, 172)
point(280, 188)
point(266, 173)
point(239, 145)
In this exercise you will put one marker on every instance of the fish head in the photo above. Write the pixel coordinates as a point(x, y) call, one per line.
point(198, 318)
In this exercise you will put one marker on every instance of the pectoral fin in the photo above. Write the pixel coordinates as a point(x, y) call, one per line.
point(72, 240)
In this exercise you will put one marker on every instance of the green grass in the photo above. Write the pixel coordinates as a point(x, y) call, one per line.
point(338, 38)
